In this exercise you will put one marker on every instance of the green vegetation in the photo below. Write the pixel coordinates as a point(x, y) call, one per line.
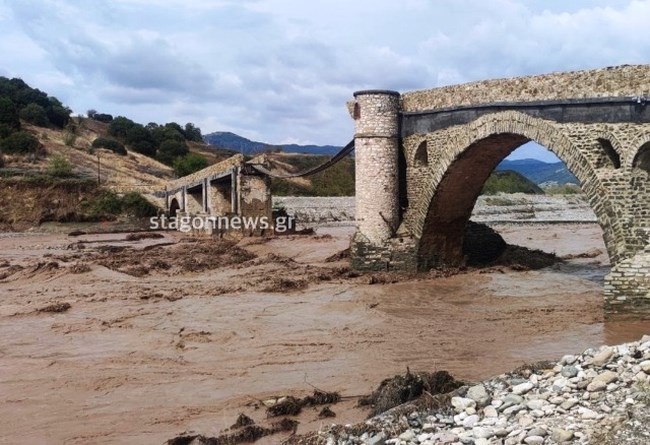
point(167, 143)
point(338, 180)
point(19, 100)
point(59, 167)
point(109, 204)
point(508, 181)
point(109, 144)
point(34, 114)
point(189, 164)
point(20, 142)
point(563, 189)
point(170, 150)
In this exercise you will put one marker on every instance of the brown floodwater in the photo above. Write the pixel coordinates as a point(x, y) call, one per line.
point(142, 359)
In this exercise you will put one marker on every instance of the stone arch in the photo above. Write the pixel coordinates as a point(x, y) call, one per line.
point(421, 157)
point(642, 158)
point(174, 207)
point(470, 155)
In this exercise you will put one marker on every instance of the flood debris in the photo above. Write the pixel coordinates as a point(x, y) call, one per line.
point(180, 258)
point(326, 412)
point(78, 268)
point(246, 434)
point(137, 236)
point(400, 389)
point(55, 307)
point(291, 406)
point(242, 421)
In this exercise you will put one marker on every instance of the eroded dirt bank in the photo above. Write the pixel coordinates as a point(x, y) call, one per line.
point(144, 353)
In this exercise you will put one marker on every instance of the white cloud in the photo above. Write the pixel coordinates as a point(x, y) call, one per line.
point(281, 70)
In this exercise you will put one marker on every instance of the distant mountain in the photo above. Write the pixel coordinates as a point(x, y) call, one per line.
point(225, 139)
point(540, 172)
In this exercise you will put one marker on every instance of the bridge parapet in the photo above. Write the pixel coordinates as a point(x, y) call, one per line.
point(619, 81)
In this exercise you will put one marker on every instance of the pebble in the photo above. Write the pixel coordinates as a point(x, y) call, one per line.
point(479, 394)
point(522, 388)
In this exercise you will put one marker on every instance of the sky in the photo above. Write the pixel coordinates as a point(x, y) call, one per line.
point(281, 71)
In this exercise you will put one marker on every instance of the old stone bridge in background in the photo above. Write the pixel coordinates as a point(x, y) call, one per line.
point(422, 159)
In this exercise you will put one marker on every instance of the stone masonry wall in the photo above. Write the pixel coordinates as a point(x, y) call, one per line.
point(620, 81)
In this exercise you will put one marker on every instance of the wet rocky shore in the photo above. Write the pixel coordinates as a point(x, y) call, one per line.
point(598, 397)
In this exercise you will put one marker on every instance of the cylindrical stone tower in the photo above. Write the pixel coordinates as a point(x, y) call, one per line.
point(376, 139)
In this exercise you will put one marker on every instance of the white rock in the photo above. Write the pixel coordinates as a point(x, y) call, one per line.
point(460, 404)
point(479, 394)
point(407, 435)
point(603, 356)
point(559, 435)
point(535, 404)
point(601, 381)
point(470, 421)
point(645, 366)
point(522, 388)
point(481, 432)
point(490, 411)
point(534, 440)
point(587, 413)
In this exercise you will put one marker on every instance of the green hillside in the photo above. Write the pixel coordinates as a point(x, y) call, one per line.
point(508, 181)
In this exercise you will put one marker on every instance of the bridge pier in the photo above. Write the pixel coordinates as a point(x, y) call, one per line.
point(376, 141)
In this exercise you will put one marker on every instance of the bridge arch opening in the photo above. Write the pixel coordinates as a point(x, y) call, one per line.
point(642, 158)
point(421, 158)
point(447, 227)
point(613, 159)
point(174, 207)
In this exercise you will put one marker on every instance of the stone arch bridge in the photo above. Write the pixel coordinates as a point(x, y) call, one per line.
point(422, 158)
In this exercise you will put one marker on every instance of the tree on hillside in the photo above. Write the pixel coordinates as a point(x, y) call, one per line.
point(176, 127)
point(193, 133)
point(166, 133)
point(20, 142)
point(58, 115)
point(34, 114)
point(8, 114)
point(190, 163)
point(169, 150)
point(120, 126)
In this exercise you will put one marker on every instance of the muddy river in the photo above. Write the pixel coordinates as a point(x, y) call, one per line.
point(141, 357)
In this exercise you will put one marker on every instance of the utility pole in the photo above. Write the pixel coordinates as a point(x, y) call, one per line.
point(98, 170)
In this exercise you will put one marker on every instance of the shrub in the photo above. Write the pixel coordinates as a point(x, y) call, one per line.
point(111, 204)
point(109, 144)
point(8, 114)
point(135, 204)
point(170, 150)
point(58, 115)
point(189, 164)
point(59, 167)
point(34, 114)
point(20, 142)
point(102, 117)
point(5, 130)
point(69, 138)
